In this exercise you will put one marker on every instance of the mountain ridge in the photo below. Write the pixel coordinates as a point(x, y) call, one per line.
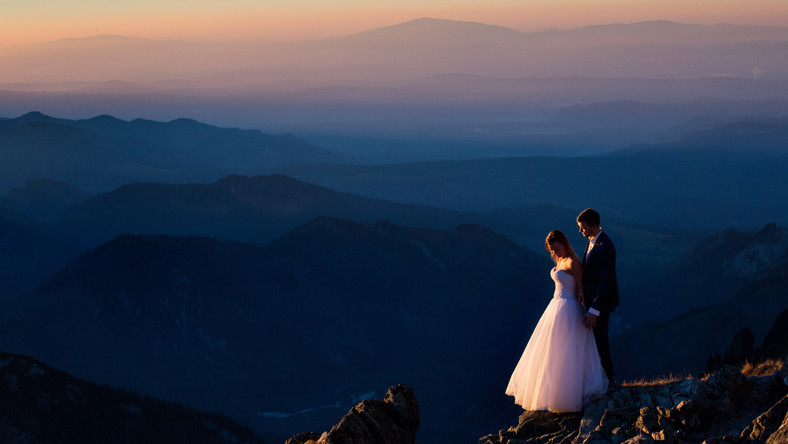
point(737, 282)
point(254, 209)
point(43, 404)
point(104, 151)
point(426, 22)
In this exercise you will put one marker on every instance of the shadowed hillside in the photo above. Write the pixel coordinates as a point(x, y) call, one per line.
point(726, 282)
point(28, 255)
point(44, 405)
point(327, 311)
point(41, 198)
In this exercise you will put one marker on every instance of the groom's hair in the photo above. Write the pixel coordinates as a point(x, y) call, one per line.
point(589, 216)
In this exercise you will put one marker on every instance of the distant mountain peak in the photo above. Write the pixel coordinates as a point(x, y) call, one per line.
point(438, 29)
point(105, 118)
point(186, 122)
point(32, 117)
point(35, 116)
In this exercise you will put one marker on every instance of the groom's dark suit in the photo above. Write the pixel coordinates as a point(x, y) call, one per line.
point(600, 292)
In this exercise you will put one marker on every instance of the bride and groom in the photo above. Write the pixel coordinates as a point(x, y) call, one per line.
point(567, 360)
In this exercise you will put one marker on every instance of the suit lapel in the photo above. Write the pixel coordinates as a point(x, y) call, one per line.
point(597, 245)
point(585, 253)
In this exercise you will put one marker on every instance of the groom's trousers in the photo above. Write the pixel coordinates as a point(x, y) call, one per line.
point(601, 335)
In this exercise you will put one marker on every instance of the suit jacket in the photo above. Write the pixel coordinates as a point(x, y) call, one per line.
point(600, 285)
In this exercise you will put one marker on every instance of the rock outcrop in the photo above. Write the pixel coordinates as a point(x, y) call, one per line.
point(725, 407)
point(394, 420)
point(775, 346)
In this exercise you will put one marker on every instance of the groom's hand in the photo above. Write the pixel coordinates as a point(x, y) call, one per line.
point(589, 320)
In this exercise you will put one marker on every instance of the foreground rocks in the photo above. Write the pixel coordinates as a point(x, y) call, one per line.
point(726, 407)
point(394, 420)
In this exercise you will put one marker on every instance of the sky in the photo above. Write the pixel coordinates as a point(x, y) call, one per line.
point(33, 21)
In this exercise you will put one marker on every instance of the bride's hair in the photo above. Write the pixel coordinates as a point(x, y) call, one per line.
point(558, 236)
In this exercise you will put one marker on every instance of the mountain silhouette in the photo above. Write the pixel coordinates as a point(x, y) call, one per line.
point(765, 136)
point(44, 148)
point(429, 33)
point(694, 188)
point(44, 404)
point(104, 152)
point(251, 209)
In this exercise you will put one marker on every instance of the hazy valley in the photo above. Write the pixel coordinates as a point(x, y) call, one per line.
point(426, 89)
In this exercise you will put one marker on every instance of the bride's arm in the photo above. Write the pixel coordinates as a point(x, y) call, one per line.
point(577, 272)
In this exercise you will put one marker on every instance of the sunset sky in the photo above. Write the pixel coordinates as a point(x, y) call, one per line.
point(45, 20)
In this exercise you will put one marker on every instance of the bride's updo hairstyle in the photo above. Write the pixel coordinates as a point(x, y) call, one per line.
point(558, 236)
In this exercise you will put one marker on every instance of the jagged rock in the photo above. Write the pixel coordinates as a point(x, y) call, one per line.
point(394, 420)
point(783, 374)
point(741, 347)
point(726, 407)
point(781, 435)
point(775, 343)
point(768, 423)
point(305, 437)
point(774, 346)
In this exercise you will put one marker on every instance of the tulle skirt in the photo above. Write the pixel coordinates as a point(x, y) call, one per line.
point(560, 369)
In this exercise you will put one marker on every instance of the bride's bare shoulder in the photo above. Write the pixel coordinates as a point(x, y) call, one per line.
point(575, 264)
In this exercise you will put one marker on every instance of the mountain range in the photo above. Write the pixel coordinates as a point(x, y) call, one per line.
point(251, 209)
point(695, 183)
point(695, 178)
point(423, 89)
point(64, 221)
point(417, 48)
point(214, 324)
point(104, 152)
point(48, 223)
point(725, 282)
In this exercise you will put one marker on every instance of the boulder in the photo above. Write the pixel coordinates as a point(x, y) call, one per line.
point(394, 420)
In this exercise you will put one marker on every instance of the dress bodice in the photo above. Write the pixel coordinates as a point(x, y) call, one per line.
point(564, 284)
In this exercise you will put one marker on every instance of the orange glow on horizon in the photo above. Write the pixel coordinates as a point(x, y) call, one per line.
point(313, 22)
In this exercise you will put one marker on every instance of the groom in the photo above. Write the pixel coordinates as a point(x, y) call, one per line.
point(600, 287)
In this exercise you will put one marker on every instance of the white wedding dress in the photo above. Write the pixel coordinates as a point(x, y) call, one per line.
point(560, 369)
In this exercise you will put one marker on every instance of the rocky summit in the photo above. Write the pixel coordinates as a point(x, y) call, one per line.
point(394, 420)
point(726, 406)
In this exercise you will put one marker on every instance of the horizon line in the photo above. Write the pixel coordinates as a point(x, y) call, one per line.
point(207, 39)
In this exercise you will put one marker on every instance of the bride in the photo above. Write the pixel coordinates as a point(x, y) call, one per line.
point(560, 370)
